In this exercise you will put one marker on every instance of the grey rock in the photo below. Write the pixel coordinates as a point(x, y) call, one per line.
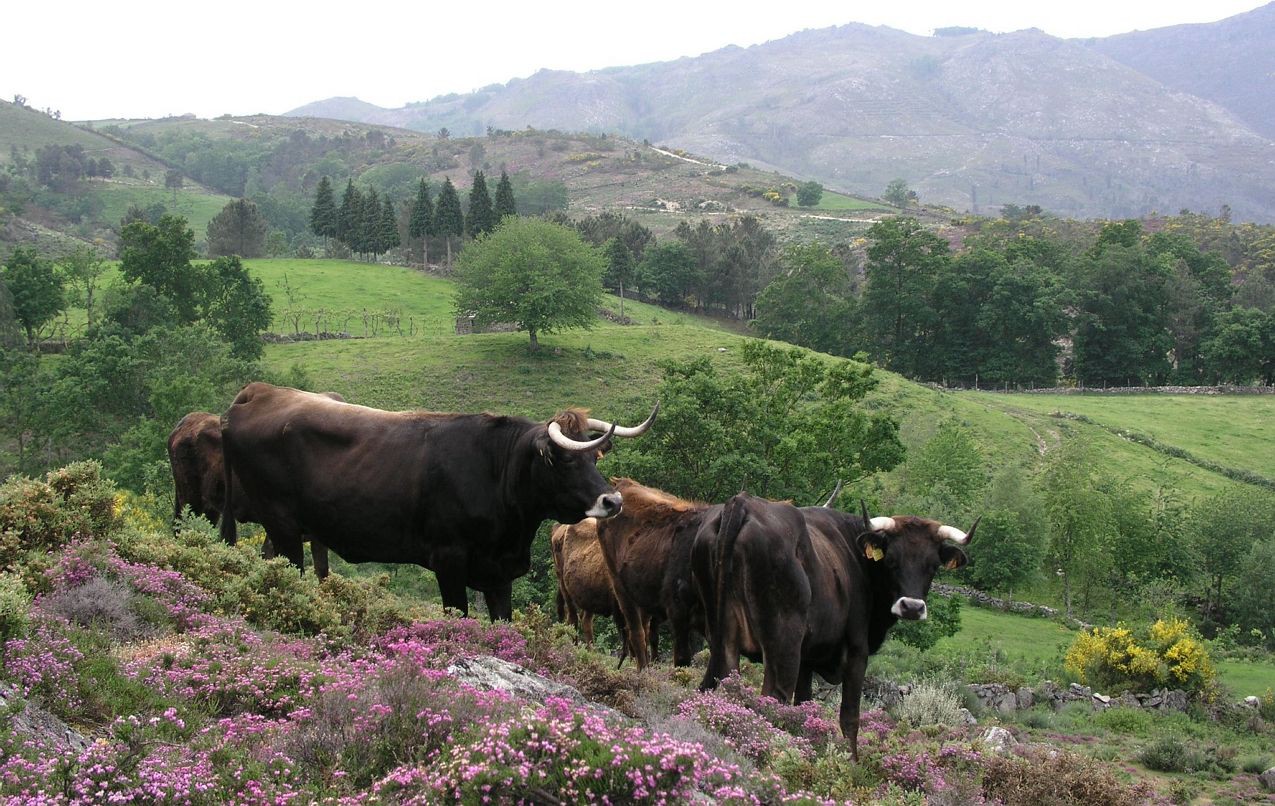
point(39, 724)
point(1174, 701)
point(999, 740)
point(494, 674)
point(1128, 701)
point(1102, 698)
point(1268, 779)
point(1026, 698)
point(967, 717)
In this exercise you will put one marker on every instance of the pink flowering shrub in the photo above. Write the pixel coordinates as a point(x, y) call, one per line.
point(44, 664)
point(227, 669)
point(759, 727)
point(560, 753)
point(435, 644)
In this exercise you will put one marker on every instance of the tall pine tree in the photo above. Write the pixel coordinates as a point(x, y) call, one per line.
point(323, 216)
point(449, 221)
point(388, 234)
point(480, 218)
point(370, 224)
point(348, 215)
point(504, 198)
point(419, 221)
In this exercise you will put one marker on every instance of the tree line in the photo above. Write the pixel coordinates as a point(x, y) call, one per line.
point(368, 226)
point(1127, 308)
point(172, 335)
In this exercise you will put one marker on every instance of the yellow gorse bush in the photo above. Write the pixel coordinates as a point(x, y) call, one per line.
point(1168, 654)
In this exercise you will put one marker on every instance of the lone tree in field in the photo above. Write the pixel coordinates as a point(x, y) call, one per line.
point(536, 274)
point(809, 194)
point(898, 193)
point(239, 229)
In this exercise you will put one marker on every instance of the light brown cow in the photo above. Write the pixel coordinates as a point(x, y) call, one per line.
point(647, 548)
point(584, 584)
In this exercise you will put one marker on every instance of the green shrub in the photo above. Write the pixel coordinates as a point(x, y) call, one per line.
point(15, 602)
point(930, 702)
point(74, 500)
point(1256, 764)
point(273, 595)
point(1133, 721)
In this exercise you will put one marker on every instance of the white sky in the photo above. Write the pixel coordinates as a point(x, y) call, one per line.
point(140, 58)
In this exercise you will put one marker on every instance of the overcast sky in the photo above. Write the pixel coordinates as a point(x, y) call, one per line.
point(150, 59)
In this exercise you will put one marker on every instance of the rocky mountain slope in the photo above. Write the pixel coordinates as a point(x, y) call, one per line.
point(973, 121)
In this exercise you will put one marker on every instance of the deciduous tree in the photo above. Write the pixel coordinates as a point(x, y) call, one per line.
point(809, 194)
point(35, 289)
point(160, 255)
point(535, 274)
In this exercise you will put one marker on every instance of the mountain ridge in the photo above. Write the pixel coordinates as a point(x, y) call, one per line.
point(972, 121)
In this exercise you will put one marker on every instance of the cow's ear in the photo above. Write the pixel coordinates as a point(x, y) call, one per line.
point(952, 557)
point(872, 545)
point(544, 446)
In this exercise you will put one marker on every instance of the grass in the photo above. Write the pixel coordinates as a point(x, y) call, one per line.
point(836, 202)
point(1232, 430)
point(198, 205)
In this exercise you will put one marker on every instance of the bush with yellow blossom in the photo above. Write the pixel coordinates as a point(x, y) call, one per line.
point(1169, 654)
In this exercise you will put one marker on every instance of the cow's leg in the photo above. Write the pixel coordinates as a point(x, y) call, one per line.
point(635, 622)
point(452, 588)
point(267, 550)
point(781, 633)
point(851, 692)
point(586, 627)
point(319, 553)
point(293, 549)
point(723, 655)
point(500, 602)
point(805, 685)
point(653, 637)
point(681, 626)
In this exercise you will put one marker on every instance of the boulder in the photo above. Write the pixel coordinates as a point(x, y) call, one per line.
point(967, 717)
point(494, 674)
point(1174, 701)
point(33, 721)
point(1025, 697)
point(1268, 779)
point(999, 740)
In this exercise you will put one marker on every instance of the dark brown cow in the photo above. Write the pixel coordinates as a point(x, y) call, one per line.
point(199, 481)
point(813, 590)
point(648, 554)
point(584, 585)
point(460, 494)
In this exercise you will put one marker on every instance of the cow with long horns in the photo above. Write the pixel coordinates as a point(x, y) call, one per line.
point(460, 494)
point(813, 590)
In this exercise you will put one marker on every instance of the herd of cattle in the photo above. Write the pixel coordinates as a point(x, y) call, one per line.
point(805, 590)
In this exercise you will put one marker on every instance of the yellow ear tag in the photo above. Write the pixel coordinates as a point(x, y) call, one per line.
point(873, 553)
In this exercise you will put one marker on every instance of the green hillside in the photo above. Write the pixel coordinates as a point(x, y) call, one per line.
point(615, 367)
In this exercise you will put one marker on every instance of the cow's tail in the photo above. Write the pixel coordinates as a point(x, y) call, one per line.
point(734, 515)
point(229, 529)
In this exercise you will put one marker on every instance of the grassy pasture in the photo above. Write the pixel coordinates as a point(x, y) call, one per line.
point(1026, 642)
point(836, 202)
point(1232, 430)
point(197, 204)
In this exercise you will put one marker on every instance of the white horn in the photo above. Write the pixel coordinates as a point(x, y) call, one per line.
point(564, 441)
point(882, 524)
point(952, 533)
point(622, 431)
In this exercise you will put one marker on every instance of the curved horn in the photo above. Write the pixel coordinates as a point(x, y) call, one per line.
point(622, 431)
point(955, 535)
point(563, 441)
point(836, 491)
point(882, 524)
